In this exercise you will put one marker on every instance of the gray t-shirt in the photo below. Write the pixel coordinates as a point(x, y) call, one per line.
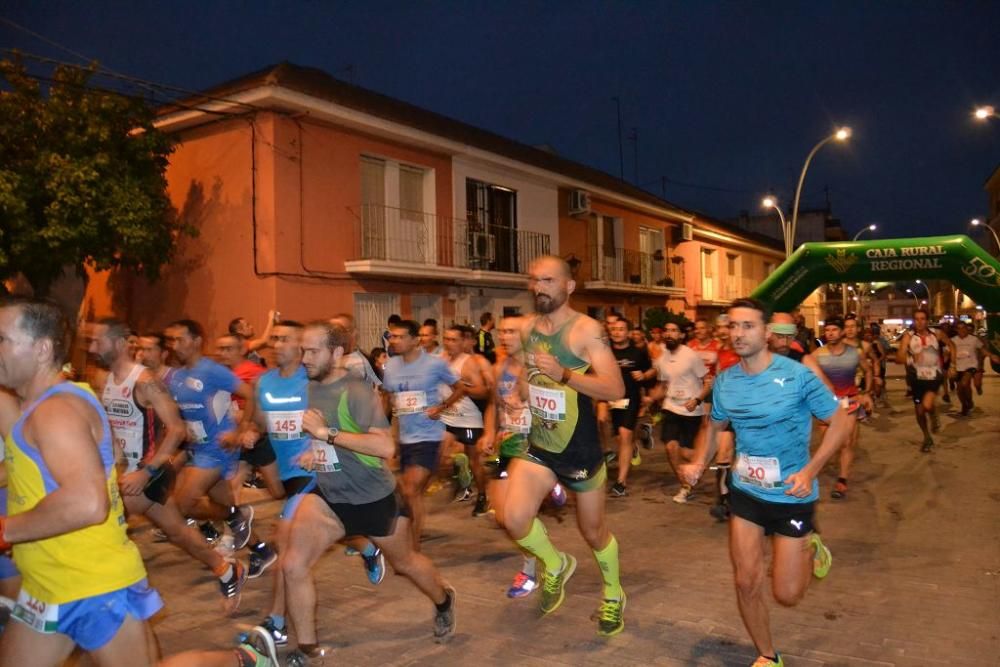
point(343, 475)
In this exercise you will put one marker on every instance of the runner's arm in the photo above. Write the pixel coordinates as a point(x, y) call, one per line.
point(265, 336)
point(376, 441)
point(153, 393)
point(472, 377)
point(62, 429)
point(841, 424)
point(604, 381)
point(904, 345)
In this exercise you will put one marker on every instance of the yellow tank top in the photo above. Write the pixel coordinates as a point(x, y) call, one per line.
point(87, 562)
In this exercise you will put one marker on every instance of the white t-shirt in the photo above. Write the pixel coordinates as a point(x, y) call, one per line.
point(683, 371)
point(966, 349)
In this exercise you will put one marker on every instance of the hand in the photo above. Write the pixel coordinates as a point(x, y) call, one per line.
point(637, 375)
point(549, 365)
point(314, 423)
point(690, 473)
point(249, 437)
point(434, 412)
point(487, 446)
point(868, 403)
point(134, 482)
point(801, 484)
point(307, 459)
point(230, 439)
point(692, 405)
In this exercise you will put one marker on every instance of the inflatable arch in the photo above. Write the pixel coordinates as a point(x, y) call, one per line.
point(957, 259)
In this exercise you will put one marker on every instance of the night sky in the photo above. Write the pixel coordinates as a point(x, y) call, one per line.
point(728, 97)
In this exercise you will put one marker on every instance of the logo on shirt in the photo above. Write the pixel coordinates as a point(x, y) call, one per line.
point(780, 381)
point(278, 401)
point(194, 383)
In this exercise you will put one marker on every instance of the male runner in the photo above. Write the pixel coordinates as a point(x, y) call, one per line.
point(241, 328)
point(568, 364)
point(84, 583)
point(707, 347)
point(202, 390)
point(154, 355)
point(484, 344)
point(412, 383)
point(921, 348)
point(854, 336)
point(134, 399)
point(782, 339)
point(464, 419)
point(10, 578)
point(770, 400)
point(636, 368)
point(683, 385)
point(429, 339)
point(969, 358)
point(356, 490)
point(840, 363)
point(655, 345)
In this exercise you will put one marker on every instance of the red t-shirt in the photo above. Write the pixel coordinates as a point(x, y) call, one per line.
point(727, 358)
point(247, 371)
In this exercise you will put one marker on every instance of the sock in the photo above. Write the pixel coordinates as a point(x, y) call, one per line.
point(463, 473)
point(278, 621)
point(607, 559)
point(444, 606)
point(537, 543)
point(226, 574)
point(722, 481)
point(529, 566)
point(369, 550)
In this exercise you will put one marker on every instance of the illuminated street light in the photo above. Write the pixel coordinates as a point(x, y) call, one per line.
point(869, 228)
point(986, 111)
point(910, 292)
point(843, 134)
point(976, 222)
point(771, 202)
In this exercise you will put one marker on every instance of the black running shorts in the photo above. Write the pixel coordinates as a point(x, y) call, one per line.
point(262, 453)
point(788, 519)
point(375, 519)
point(682, 428)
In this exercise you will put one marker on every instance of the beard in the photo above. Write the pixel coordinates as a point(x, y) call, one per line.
point(102, 361)
point(319, 372)
point(546, 304)
point(671, 343)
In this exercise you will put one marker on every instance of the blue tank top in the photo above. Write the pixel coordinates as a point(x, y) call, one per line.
point(204, 394)
point(284, 400)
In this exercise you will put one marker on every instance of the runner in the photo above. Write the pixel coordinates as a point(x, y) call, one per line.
point(568, 364)
point(683, 385)
point(134, 400)
point(969, 359)
point(708, 348)
point(464, 419)
point(655, 345)
point(840, 363)
point(412, 382)
point(245, 333)
point(355, 360)
point(10, 578)
point(202, 390)
point(921, 349)
point(636, 368)
point(356, 491)
point(429, 339)
point(770, 401)
point(84, 583)
point(856, 337)
point(154, 355)
point(484, 344)
point(782, 339)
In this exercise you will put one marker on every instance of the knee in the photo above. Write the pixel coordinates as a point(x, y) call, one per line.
point(749, 583)
point(596, 535)
point(516, 521)
point(788, 594)
point(293, 565)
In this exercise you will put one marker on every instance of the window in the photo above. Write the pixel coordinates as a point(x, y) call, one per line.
point(397, 205)
point(371, 313)
point(708, 274)
point(492, 214)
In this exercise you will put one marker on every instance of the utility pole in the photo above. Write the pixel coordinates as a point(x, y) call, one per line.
point(621, 147)
point(634, 138)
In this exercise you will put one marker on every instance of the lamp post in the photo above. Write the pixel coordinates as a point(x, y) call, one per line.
point(843, 286)
point(771, 202)
point(869, 228)
point(916, 302)
point(843, 134)
point(976, 222)
point(930, 297)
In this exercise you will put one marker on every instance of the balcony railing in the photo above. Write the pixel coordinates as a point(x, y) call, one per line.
point(734, 287)
point(634, 267)
point(398, 235)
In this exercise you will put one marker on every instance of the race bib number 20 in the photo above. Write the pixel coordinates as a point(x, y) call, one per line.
point(760, 471)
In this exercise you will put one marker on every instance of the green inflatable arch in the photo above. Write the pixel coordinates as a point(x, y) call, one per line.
point(957, 259)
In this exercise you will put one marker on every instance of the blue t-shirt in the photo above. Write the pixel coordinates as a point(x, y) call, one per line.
point(414, 388)
point(204, 394)
point(283, 402)
point(771, 413)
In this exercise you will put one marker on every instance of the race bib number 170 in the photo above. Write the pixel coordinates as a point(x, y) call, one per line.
point(548, 404)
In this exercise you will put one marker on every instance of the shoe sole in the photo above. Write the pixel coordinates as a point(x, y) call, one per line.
point(829, 563)
point(249, 523)
point(268, 563)
point(620, 627)
point(567, 574)
point(267, 640)
point(445, 638)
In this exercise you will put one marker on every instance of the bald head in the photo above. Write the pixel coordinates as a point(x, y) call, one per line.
point(782, 318)
point(553, 264)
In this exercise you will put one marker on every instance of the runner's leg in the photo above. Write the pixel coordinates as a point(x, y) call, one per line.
point(746, 549)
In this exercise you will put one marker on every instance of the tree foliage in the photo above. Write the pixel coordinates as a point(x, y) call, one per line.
point(657, 317)
point(82, 178)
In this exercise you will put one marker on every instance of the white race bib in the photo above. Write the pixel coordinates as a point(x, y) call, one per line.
point(762, 471)
point(963, 353)
point(548, 404)
point(40, 616)
point(285, 425)
point(517, 421)
point(926, 373)
point(620, 404)
point(678, 396)
point(128, 441)
point(409, 402)
point(196, 432)
point(325, 457)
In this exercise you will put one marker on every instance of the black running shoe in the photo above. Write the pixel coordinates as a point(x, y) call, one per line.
point(444, 621)
point(261, 560)
point(482, 507)
point(242, 526)
point(209, 531)
point(618, 490)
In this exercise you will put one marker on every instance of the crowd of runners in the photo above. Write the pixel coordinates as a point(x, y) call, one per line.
point(524, 411)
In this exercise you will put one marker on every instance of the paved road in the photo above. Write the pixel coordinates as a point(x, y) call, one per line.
point(915, 580)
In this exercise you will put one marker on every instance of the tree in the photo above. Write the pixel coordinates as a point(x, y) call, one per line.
point(658, 317)
point(82, 179)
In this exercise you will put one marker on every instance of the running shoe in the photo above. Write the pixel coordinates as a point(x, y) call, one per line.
point(636, 456)
point(522, 586)
point(611, 617)
point(261, 642)
point(558, 495)
point(208, 530)
point(350, 551)
point(232, 590)
point(278, 636)
point(763, 661)
point(719, 512)
point(839, 490)
point(822, 558)
point(928, 445)
point(261, 560)
point(463, 495)
point(618, 490)
point(683, 495)
point(242, 526)
point(554, 585)
point(375, 566)
point(444, 621)
point(482, 507)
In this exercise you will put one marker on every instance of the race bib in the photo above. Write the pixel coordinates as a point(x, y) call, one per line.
point(548, 404)
point(196, 432)
point(128, 442)
point(40, 616)
point(518, 421)
point(285, 425)
point(325, 457)
point(409, 402)
point(963, 354)
point(620, 404)
point(762, 471)
point(678, 396)
point(926, 373)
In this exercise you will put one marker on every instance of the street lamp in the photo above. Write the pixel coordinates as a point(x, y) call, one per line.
point(843, 134)
point(930, 297)
point(869, 228)
point(976, 222)
point(984, 112)
point(771, 202)
point(915, 301)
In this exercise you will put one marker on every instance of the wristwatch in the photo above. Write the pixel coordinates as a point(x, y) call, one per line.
point(698, 400)
point(331, 435)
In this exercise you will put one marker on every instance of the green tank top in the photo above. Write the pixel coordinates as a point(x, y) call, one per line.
point(557, 411)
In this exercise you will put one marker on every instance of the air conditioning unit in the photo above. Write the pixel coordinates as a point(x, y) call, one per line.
point(484, 247)
point(579, 202)
point(687, 231)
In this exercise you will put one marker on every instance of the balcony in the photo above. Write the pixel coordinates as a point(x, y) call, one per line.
point(400, 243)
point(623, 270)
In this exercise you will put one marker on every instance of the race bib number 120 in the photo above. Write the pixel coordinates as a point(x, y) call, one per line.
point(40, 616)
